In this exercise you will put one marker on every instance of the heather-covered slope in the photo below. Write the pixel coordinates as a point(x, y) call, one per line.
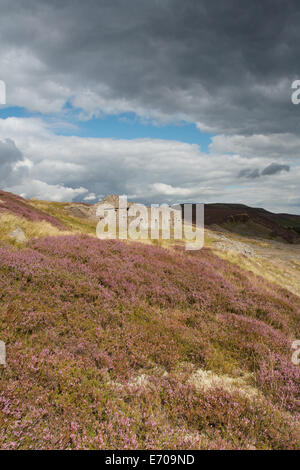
point(16, 205)
point(115, 345)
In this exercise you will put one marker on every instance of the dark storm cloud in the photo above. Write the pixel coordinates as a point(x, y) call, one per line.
point(227, 65)
point(249, 173)
point(10, 155)
point(272, 169)
point(275, 168)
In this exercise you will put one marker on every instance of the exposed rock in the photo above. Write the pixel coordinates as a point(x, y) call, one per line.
point(238, 218)
point(235, 246)
point(112, 199)
point(78, 210)
point(18, 235)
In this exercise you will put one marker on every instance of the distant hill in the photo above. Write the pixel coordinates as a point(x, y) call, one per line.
point(254, 222)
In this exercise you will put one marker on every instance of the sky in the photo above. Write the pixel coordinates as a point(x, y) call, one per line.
point(165, 101)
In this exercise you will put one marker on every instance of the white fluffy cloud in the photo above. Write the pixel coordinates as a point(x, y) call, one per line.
point(31, 188)
point(75, 168)
point(12, 165)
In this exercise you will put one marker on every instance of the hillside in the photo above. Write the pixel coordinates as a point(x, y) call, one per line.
point(39, 218)
point(255, 222)
point(127, 345)
point(19, 207)
point(133, 346)
point(235, 218)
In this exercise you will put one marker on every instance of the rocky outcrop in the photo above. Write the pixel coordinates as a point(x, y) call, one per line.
point(238, 219)
point(112, 199)
point(18, 235)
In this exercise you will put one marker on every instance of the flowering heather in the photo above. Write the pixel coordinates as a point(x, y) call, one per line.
point(17, 205)
point(103, 338)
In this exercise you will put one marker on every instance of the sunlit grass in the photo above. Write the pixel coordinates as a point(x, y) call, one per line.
point(9, 222)
point(58, 210)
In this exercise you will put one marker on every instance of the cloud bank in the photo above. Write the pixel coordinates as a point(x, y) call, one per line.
point(74, 168)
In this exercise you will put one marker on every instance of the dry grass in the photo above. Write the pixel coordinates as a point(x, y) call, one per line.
point(9, 222)
point(209, 380)
point(59, 211)
point(278, 269)
point(279, 273)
